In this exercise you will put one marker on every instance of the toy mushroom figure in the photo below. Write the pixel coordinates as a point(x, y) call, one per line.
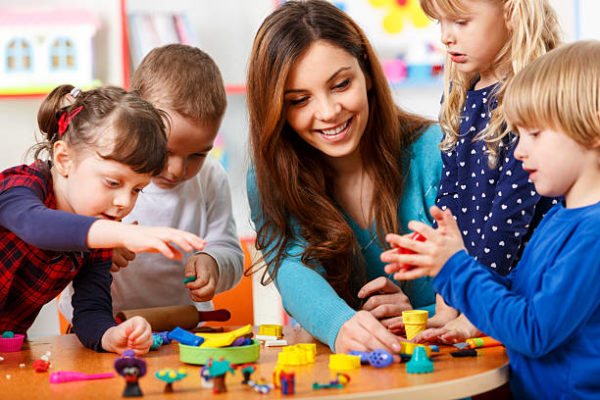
point(170, 376)
point(132, 369)
point(217, 371)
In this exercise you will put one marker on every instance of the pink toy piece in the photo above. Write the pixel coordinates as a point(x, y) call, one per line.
point(10, 345)
point(75, 376)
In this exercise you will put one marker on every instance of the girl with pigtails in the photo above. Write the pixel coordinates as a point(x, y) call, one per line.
point(60, 216)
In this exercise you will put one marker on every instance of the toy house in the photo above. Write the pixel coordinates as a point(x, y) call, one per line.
point(42, 49)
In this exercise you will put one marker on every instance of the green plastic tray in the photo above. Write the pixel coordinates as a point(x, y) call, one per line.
point(235, 355)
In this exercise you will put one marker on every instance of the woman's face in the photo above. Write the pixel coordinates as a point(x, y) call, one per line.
point(326, 100)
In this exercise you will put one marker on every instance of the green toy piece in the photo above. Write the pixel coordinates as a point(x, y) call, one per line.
point(188, 279)
point(8, 335)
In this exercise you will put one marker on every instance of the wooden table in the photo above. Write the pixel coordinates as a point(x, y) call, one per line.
point(452, 378)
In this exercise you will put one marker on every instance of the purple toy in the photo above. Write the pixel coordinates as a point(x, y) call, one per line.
point(132, 369)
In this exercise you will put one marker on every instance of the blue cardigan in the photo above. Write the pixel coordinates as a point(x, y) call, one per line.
point(308, 297)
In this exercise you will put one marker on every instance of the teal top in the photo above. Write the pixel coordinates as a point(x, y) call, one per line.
point(308, 297)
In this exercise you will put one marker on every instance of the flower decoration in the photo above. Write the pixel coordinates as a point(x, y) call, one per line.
point(399, 12)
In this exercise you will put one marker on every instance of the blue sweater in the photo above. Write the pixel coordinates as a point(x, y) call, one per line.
point(547, 311)
point(496, 209)
point(309, 298)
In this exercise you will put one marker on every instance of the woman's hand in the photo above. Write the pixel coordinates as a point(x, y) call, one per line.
point(363, 332)
point(430, 255)
point(385, 301)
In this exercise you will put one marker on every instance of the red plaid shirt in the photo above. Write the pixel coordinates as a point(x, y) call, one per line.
point(31, 277)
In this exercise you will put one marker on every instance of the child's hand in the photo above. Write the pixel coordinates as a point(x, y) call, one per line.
point(363, 332)
point(160, 239)
point(385, 301)
point(135, 334)
point(110, 234)
point(206, 271)
point(455, 331)
point(121, 258)
point(443, 314)
point(431, 255)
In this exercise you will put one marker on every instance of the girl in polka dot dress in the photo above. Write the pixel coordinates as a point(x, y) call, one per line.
point(485, 187)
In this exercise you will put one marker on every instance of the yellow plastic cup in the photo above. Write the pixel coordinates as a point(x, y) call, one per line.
point(415, 321)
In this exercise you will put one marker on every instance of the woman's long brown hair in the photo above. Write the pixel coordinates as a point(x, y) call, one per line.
point(292, 178)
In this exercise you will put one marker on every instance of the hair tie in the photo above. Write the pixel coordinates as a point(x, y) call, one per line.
point(75, 92)
point(65, 119)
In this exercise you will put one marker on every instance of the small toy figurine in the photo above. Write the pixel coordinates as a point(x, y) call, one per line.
point(247, 371)
point(217, 370)
point(287, 381)
point(261, 386)
point(170, 376)
point(132, 369)
point(340, 381)
point(206, 379)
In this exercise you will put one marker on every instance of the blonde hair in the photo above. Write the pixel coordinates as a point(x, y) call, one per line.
point(559, 91)
point(533, 30)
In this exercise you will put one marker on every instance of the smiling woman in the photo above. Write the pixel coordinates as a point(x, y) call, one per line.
point(335, 165)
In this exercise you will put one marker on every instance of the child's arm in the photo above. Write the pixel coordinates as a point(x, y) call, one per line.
point(104, 234)
point(568, 297)
point(92, 301)
point(220, 265)
point(23, 212)
point(93, 321)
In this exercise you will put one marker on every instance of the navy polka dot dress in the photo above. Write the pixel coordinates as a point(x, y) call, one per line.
point(498, 208)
